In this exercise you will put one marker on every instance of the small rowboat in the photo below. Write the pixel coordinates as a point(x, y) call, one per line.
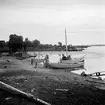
point(101, 73)
point(65, 65)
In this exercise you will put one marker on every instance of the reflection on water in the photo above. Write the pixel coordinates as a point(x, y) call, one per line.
point(94, 60)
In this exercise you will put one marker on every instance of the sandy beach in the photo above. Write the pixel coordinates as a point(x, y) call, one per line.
point(57, 87)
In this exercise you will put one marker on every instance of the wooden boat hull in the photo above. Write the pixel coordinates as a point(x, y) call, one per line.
point(65, 65)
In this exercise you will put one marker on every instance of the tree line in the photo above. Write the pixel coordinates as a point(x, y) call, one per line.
point(16, 43)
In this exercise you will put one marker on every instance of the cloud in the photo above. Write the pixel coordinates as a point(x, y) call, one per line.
point(70, 16)
point(83, 17)
point(45, 3)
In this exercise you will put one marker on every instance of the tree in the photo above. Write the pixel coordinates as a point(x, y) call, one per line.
point(69, 47)
point(15, 42)
point(28, 43)
point(36, 43)
point(59, 44)
point(2, 44)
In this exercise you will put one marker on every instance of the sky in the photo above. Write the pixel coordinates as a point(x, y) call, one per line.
point(46, 20)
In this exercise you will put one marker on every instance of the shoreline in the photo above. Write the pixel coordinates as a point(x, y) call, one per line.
point(53, 86)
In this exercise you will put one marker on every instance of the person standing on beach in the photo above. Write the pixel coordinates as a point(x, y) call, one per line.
point(36, 64)
point(46, 61)
point(32, 61)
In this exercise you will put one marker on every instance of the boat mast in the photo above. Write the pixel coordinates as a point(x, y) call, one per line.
point(66, 43)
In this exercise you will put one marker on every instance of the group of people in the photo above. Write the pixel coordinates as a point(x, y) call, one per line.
point(66, 58)
point(46, 60)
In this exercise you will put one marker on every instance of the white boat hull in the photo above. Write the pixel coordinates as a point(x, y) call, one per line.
point(65, 65)
point(72, 61)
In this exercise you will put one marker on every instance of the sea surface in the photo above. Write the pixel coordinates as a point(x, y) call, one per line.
point(94, 58)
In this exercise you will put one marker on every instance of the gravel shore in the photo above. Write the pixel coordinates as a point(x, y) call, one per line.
point(56, 87)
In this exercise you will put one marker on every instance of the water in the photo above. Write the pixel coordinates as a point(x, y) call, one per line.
point(94, 60)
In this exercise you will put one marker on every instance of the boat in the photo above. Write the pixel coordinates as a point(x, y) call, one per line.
point(69, 63)
point(65, 65)
point(100, 73)
point(72, 60)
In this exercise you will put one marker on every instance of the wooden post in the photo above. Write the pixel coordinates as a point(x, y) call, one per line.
point(16, 91)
